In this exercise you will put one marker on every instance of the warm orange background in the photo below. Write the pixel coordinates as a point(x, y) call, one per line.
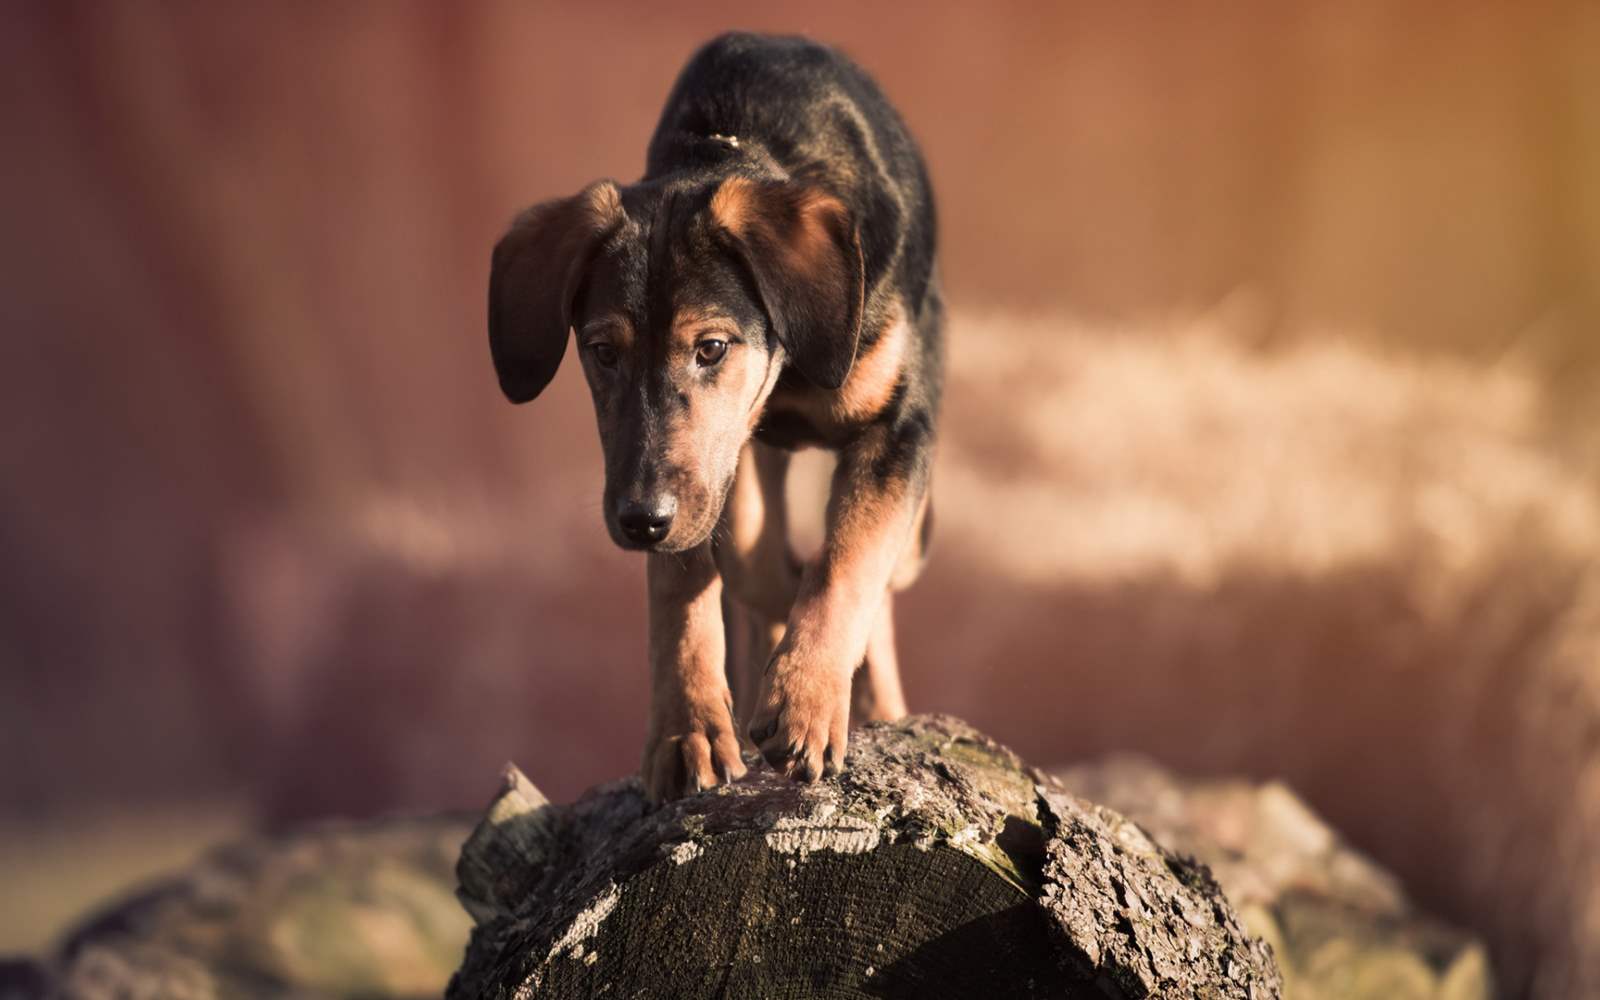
point(1270, 444)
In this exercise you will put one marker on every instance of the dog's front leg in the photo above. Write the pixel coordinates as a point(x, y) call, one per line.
point(692, 743)
point(803, 715)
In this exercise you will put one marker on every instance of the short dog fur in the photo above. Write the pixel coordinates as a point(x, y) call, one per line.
point(768, 285)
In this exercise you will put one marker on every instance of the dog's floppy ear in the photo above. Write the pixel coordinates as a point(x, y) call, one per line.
point(533, 278)
point(801, 246)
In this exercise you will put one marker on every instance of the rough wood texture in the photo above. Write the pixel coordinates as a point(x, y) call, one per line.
point(355, 910)
point(936, 866)
point(366, 910)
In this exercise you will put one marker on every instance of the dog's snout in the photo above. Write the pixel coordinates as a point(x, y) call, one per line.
point(646, 521)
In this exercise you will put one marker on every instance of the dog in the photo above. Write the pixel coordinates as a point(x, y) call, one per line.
point(768, 285)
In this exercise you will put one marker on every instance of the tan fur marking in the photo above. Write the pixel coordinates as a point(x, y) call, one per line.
point(605, 202)
point(867, 390)
point(683, 610)
point(864, 542)
point(875, 375)
point(811, 241)
point(692, 323)
point(731, 204)
point(697, 440)
point(691, 743)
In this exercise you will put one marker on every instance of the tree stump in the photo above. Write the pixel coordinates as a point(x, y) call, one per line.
point(937, 865)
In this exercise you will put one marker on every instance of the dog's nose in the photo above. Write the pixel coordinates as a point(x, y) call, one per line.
point(646, 522)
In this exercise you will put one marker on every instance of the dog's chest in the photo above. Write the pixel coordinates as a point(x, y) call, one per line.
point(801, 415)
point(794, 420)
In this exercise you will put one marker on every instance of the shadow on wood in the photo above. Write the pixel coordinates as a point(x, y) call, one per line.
point(937, 865)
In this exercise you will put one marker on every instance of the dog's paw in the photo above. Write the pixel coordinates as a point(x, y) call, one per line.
point(690, 749)
point(802, 720)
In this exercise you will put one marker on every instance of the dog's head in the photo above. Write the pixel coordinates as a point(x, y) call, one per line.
point(686, 302)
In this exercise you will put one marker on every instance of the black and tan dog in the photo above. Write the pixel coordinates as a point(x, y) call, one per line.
point(767, 286)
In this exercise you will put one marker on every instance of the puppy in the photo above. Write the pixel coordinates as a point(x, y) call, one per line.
point(768, 285)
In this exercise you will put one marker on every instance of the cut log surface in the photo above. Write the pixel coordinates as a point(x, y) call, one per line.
point(937, 865)
point(365, 910)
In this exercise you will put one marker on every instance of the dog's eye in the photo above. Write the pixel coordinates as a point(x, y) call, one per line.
point(604, 355)
point(709, 352)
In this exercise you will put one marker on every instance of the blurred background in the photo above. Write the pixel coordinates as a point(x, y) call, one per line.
point(1271, 442)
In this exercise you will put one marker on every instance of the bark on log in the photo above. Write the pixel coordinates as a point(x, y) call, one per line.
point(937, 865)
point(340, 911)
point(336, 912)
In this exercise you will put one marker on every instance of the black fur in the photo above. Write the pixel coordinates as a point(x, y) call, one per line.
point(807, 131)
point(804, 111)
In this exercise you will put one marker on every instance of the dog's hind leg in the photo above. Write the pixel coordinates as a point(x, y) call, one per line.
point(875, 693)
point(751, 638)
point(738, 625)
point(760, 573)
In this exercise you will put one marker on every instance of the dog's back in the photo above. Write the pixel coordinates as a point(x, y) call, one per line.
point(786, 106)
